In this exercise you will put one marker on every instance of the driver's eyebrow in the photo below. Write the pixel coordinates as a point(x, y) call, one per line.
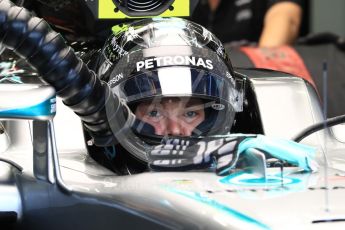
point(195, 105)
point(151, 104)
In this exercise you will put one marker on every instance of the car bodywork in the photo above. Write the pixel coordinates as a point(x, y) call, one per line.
point(53, 183)
point(49, 180)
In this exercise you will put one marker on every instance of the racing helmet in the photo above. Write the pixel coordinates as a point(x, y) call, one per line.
point(158, 61)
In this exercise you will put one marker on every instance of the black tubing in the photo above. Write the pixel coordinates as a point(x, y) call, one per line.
point(319, 126)
point(33, 39)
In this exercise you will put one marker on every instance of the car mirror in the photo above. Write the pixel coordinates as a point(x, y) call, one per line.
point(30, 98)
point(32, 101)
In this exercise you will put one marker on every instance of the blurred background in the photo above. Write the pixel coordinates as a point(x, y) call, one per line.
point(324, 16)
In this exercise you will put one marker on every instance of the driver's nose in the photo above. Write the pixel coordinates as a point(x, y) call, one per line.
point(174, 127)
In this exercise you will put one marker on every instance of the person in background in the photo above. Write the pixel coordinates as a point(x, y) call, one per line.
point(269, 23)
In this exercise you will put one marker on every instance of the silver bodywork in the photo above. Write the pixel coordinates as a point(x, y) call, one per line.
point(287, 198)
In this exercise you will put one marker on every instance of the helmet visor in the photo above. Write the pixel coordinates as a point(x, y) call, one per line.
point(182, 82)
point(178, 77)
point(181, 101)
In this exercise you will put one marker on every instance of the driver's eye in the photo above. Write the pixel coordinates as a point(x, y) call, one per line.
point(154, 113)
point(190, 114)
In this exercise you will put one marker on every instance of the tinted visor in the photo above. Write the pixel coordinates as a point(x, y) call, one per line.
point(181, 82)
point(156, 75)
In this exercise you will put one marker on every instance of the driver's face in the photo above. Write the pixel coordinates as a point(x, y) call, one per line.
point(172, 116)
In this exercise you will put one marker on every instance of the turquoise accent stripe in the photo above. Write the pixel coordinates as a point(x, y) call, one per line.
point(46, 108)
point(221, 207)
point(248, 179)
point(13, 79)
